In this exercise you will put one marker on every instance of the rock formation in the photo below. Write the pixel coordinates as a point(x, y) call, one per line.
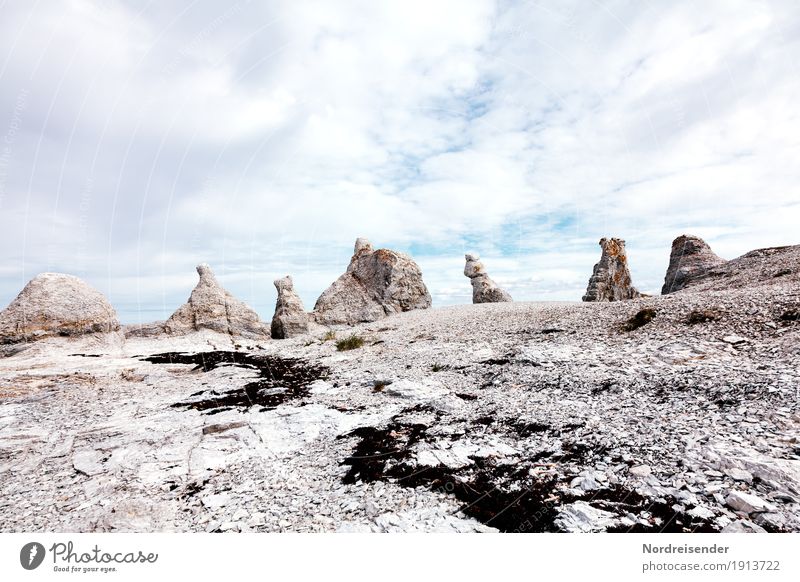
point(290, 318)
point(611, 279)
point(56, 304)
point(377, 283)
point(773, 266)
point(690, 257)
point(212, 307)
point(484, 289)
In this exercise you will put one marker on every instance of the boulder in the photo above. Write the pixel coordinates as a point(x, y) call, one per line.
point(56, 304)
point(611, 279)
point(212, 307)
point(484, 289)
point(690, 257)
point(290, 318)
point(377, 283)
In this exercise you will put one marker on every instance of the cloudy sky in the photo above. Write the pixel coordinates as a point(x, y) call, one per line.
point(138, 139)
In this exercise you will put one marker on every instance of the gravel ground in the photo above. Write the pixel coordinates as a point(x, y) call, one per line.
point(510, 417)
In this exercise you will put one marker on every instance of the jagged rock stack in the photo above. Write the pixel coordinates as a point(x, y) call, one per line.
point(690, 257)
point(611, 279)
point(290, 318)
point(56, 304)
point(377, 283)
point(210, 306)
point(484, 289)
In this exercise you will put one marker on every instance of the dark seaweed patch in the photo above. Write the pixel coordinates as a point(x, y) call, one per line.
point(604, 386)
point(526, 429)
point(581, 453)
point(280, 379)
point(503, 496)
point(497, 361)
point(466, 396)
point(791, 315)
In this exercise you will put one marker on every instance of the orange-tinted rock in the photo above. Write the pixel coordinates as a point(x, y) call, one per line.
point(611, 278)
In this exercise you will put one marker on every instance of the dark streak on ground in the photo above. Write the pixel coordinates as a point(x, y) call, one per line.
point(281, 379)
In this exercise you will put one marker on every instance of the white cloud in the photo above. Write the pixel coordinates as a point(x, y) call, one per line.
point(264, 137)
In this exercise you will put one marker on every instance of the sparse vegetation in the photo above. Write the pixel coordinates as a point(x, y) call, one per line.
point(437, 367)
point(329, 336)
point(351, 342)
point(642, 317)
point(704, 316)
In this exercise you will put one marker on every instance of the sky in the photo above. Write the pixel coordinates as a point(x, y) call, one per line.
point(138, 139)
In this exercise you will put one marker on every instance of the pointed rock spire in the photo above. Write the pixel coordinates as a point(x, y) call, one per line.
point(210, 306)
point(611, 279)
point(690, 257)
point(290, 318)
point(484, 289)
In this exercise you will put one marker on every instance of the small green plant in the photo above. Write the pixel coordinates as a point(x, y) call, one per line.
point(350, 343)
point(329, 335)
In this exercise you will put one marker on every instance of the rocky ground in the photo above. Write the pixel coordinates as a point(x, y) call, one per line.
point(674, 413)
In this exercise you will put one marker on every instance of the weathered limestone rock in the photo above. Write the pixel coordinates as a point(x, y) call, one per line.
point(212, 307)
point(611, 279)
point(377, 283)
point(690, 257)
point(484, 289)
point(290, 318)
point(56, 304)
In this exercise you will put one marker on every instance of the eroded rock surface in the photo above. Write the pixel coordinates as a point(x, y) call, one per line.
point(611, 278)
point(56, 304)
point(212, 307)
point(290, 317)
point(484, 289)
point(768, 267)
point(690, 257)
point(377, 283)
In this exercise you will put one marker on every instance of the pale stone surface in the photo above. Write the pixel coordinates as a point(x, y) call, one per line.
point(377, 283)
point(743, 526)
point(690, 257)
point(748, 502)
point(212, 307)
point(580, 517)
point(611, 278)
point(484, 289)
point(290, 317)
point(56, 304)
